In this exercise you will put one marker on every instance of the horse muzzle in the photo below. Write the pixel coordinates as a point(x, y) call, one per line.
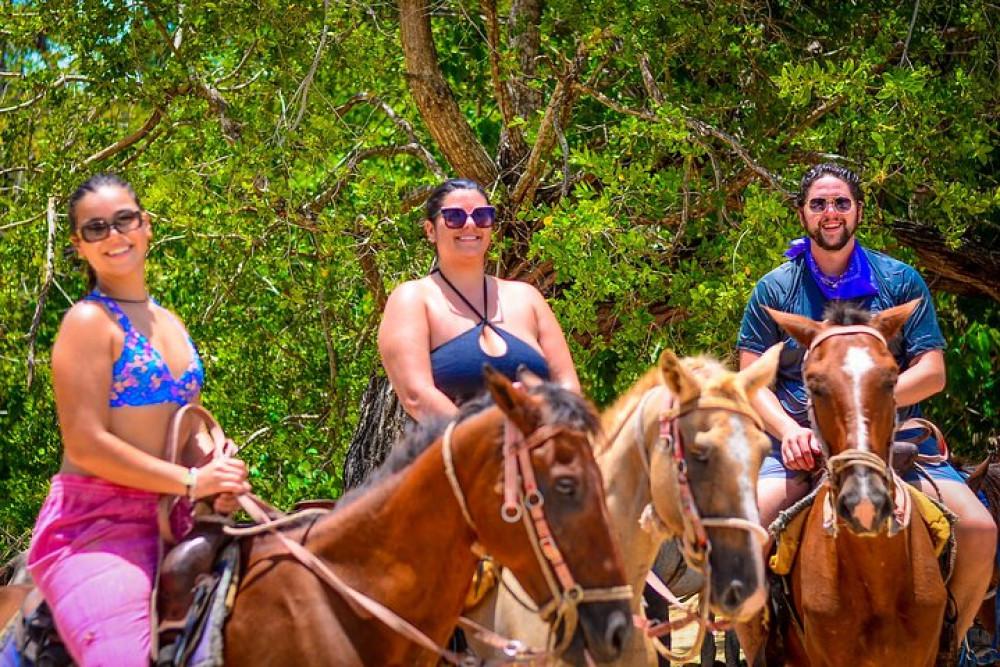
point(603, 629)
point(864, 503)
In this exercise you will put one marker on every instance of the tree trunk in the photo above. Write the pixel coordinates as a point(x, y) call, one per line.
point(971, 268)
point(525, 39)
point(380, 424)
point(434, 97)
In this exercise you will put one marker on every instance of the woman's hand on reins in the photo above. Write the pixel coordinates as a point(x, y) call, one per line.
point(222, 475)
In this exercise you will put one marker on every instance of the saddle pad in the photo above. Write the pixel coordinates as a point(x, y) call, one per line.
point(483, 581)
point(787, 529)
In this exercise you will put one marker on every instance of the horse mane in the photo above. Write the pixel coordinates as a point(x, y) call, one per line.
point(986, 478)
point(702, 366)
point(845, 313)
point(564, 407)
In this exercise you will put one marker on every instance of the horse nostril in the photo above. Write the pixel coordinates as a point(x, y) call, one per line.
point(734, 595)
point(617, 632)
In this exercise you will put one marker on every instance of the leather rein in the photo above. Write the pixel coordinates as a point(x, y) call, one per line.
point(523, 501)
point(694, 540)
point(566, 597)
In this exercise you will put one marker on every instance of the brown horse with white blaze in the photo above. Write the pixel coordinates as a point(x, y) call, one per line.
point(866, 588)
point(412, 538)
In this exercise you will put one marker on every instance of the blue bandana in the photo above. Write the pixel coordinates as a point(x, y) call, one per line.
point(855, 282)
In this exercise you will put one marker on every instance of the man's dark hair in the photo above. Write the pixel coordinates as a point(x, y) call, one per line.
point(818, 171)
point(433, 204)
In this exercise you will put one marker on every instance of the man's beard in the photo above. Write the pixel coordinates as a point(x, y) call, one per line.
point(846, 234)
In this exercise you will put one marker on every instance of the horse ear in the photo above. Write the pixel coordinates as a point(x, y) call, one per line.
point(527, 378)
point(512, 399)
point(889, 322)
point(761, 372)
point(802, 329)
point(682, 383)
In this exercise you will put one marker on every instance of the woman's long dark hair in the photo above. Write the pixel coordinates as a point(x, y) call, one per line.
point(93, 184)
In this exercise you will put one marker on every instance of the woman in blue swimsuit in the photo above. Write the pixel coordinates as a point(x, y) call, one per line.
point(438, 331)
point(122, 365)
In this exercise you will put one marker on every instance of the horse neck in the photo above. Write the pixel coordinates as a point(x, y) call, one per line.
point(405, 544)
point(627, 484)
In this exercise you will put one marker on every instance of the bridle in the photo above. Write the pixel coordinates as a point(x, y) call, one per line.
point(694, 539)
point(523, 501)
point(837, 464)
point(695, 545)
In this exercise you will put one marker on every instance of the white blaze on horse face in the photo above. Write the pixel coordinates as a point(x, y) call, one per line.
point(740, 451)
point(857, 363)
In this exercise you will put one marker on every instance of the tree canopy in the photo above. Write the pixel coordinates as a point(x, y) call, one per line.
point(642, 156)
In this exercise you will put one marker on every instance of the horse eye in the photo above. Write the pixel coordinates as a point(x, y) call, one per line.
point(816, 389)
point(701, 454)
point(565, 486)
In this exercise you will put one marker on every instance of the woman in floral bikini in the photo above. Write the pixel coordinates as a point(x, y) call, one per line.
point(122, 365)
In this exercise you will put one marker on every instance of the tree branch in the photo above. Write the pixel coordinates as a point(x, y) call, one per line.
point(699, 127)
point(50, 258)
point(351, 164)
point(124, 143)
point(302, 92)
point(62, 80)
point(435, 99)
point(399, 121)
point(239, 66)
point(909, 34)
point(512, 140)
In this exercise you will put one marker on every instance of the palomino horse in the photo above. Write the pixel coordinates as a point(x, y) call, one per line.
point(872, 594)
point(681, 460)
point(412, 538)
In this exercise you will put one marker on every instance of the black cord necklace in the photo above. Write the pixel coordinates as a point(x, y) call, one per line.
point(115, 298)
point(486, 306)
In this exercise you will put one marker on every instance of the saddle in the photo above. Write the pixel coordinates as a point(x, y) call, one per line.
point(197, 586)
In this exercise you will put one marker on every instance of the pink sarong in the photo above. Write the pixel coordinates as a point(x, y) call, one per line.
point(93, 556)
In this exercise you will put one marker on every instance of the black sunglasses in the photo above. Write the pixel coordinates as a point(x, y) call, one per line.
point(840, 204)
point(98, 229)
point(482, 216)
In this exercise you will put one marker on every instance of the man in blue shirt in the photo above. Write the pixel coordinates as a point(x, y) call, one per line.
point(829, 264)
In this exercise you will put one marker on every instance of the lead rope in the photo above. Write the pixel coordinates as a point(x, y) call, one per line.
point(258, 510)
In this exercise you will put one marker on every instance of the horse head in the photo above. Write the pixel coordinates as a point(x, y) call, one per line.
point(850, 376)
point(703, 471)
point(542, 515)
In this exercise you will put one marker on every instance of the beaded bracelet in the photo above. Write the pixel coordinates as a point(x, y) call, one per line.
point(191, 483)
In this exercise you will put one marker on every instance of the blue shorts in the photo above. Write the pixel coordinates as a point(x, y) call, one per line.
point(774, 468)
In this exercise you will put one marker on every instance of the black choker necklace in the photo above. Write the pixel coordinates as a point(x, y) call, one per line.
point(115, 298)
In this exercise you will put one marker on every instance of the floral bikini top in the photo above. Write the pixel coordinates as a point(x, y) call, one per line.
point(141, 375)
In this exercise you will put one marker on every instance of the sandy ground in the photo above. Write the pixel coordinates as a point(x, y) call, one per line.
point(685, 637)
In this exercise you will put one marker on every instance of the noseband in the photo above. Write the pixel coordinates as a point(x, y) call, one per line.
point(520, 493)
point(837, 464)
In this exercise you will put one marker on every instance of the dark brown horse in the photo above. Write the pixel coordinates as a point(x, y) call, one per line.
point(985, 479)
point(866, 588)
point(410, 541)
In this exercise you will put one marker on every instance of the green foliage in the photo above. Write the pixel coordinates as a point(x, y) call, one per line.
point(675, 208)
